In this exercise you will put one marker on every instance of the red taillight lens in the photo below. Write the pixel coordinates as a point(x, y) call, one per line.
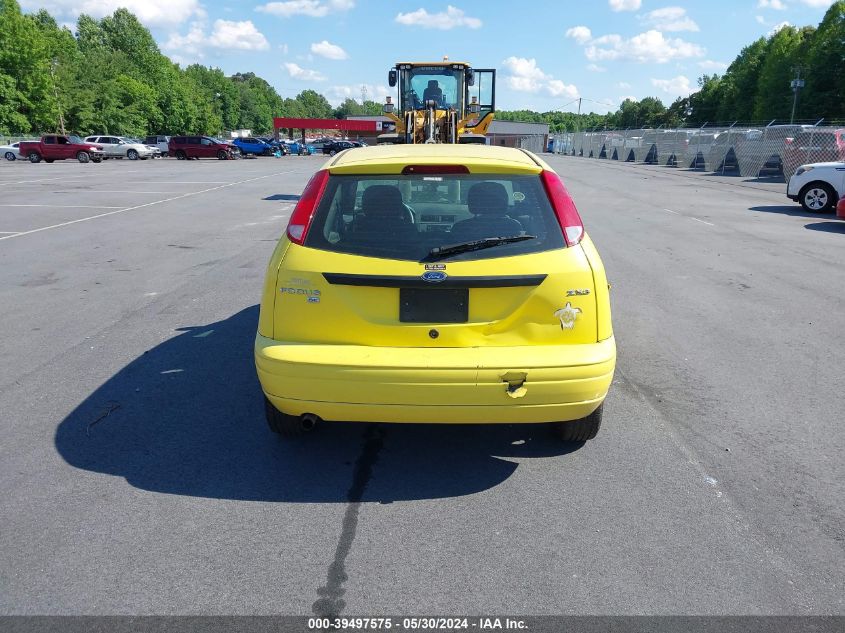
point(435, 169)
point(300, 220)
point(567, 214)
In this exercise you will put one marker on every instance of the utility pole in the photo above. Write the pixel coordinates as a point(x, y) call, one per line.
point(796, 85)
point(53, 63)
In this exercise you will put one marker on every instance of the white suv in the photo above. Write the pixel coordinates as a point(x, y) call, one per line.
point(818, 186)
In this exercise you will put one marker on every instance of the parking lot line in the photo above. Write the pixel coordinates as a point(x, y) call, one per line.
point(61, 206)
point(670, 211)
point(703, 222)
point(142, 206)
point(9, 232)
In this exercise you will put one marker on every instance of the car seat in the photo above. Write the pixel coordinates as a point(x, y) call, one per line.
point(433, 93)
point(488, 204)
point(384, 214)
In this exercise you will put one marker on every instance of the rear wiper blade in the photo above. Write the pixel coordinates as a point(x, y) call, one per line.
point(476, 245)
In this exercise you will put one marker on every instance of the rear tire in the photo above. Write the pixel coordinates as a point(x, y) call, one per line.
point(580, 430)
point(83, 157)
point(34, 157)
point(282, 423)
point(96, 160)
point(818, 197)
point(10, 156)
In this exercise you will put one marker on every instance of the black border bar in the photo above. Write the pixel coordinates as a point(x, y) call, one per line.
point(395, 281)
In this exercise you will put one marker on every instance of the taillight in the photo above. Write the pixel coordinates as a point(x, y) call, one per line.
point(567, 214)
point(303, 213)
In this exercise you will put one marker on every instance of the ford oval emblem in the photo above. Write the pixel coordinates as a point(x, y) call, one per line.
point(434, 276)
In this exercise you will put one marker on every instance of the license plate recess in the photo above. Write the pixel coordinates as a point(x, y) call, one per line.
point(433, 305)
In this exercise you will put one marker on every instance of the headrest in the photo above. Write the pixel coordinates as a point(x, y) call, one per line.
point(432, 83)
point(488, 198)
point(382, 201)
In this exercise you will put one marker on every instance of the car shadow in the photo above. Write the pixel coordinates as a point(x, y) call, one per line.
point(795, 211)
point(827, 227)
point(292, 197)
point(186, 418)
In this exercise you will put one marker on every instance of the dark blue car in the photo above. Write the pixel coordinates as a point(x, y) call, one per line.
point(250, 145)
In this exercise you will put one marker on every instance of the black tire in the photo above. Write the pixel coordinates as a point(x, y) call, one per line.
point(580, 430)
point(132, 154)
point(34, 157)
point(96, 160)
point(180, 155)
point(49, 160)
point(332, 152)
point(10, 156)
point(282, 423)
point(818, 197)
point(83, 157)
point(222, 155)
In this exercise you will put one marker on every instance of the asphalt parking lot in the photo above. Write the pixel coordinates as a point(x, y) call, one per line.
point(139, 476)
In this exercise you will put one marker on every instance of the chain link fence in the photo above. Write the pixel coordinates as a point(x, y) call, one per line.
point(774, 150)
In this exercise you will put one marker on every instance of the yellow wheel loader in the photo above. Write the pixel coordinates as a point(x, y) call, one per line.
point(440, 102)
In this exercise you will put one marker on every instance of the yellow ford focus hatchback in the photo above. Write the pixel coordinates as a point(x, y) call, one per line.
point(435, 283)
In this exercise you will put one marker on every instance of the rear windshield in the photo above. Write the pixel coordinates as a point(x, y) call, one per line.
point(826, 140)
point(405, 217)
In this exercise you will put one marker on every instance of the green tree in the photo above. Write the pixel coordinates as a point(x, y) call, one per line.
point(825, 71)
point(773, 99)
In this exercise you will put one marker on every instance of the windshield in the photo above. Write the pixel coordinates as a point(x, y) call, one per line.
point(432, 83)
point(75, 139)
point(406, 217)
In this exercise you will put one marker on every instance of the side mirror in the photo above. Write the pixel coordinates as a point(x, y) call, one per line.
point(470, 77)
point(392, 77)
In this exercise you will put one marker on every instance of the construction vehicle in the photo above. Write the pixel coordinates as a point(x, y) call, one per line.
point(440, 102)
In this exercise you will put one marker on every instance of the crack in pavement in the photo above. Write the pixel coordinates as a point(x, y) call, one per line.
point(330, 603)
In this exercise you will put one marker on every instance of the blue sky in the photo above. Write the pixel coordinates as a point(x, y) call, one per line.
point(547, 53)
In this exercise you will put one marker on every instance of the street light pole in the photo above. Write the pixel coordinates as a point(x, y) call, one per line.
point(796, 85)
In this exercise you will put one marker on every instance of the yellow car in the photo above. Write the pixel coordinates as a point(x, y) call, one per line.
point(435, 283)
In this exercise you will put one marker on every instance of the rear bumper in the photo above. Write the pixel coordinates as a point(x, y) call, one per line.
point(445, 385)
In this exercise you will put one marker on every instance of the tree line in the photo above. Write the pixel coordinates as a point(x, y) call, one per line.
point(110, 77)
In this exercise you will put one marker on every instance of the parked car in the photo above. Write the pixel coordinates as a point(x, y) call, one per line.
point(251, 145)
point(59, 147)
point(297, 148)
point(488, 304)
point(817, 186)
point(840, 208)
point(156, 151)
point(121, 147)
point(336, 146)
point(814, 146)
point(187, 147)
point(160, 141)
point(11, 151)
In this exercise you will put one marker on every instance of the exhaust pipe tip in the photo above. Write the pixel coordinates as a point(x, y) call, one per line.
point(308, 421)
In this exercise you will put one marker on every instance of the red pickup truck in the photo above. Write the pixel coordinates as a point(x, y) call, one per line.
point(56, 147)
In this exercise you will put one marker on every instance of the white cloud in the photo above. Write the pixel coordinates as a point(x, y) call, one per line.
point(670, 19)
point(283, 48)
point(760, 19)
point(311, 8)
point(303, 74)
point(238, 36)
point(627, 98)
point(595, 68)
point(818, 4)
point(580, 34)
point(650, 46)
point(225, 35)
point(679, 85)
point(624, 85)
point(149, 12)
point(709, 64)
point(329, 51)
point(778, 5)
point(777, 27)
point(190, 45)
point(445, 20)
point(337, 94)
point(526, 76)
point(625, 5)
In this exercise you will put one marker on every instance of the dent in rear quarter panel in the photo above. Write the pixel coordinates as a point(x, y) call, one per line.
point(603, 319)
point(268, 295)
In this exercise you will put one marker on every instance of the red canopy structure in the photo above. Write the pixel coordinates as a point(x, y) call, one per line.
point(350, 125)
